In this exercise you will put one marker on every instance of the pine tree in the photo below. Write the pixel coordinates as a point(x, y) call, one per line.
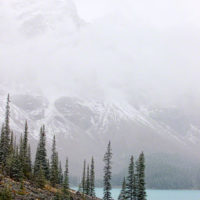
point(21, 154)
point(7, 128)
point(54, 164)
point(41, 155)
point(29, 164)
point(66, 177)
point(2, 145)
point(25, 140)
point(48, 170)
point(107, 173)
point(5, 137)
point(40, 177)
point(92, 179)
point(66, 181)
point(16, 167)
point(12, 143)
point(60, 174)
point(131, 187)
point(83, 182)
point(88, 181)
point(140, 167)
point(123, 193)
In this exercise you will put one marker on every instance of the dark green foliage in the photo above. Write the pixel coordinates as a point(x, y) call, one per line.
point(48, 170)
point(83, 181)
point(140, 167)
point(60, 174)
point(7, 128)
point(28, 172)
point(54, 164)
point(40, 177)
point(88, 181)
point(41, 155)
point(131, 187)
point(5, 137)
point(5, 194)
point(123, 194)
point(92, 179)
point(107, 173)
point(66, 194)
point(66, 177)
point(26, 160)
point(16, 171)
point(2, 149)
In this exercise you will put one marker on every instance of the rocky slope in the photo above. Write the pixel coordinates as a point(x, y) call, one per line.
point(10, 189)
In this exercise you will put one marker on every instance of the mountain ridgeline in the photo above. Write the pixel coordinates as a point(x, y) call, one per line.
point(16, 163)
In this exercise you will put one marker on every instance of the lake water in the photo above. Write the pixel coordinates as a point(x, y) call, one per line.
point(159, 194)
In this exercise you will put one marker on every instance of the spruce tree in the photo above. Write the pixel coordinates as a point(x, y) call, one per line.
point(141, 191)
point(88, 181)
point(25, 140)
point(48, 170)
point(21, 154)
point(60, 174)
point(83, 181)
point(11, 142)
point(54, 164)
point(16, 166)
point(40, 177)
point(107, 173)
point(41, 155)
point(66, 181)
point(7, 128)
point(131, 187)
point(123, 193)
point(66, 177)
point(92, 179)
point(2, 145)
point(29, 164)
point(5, 137)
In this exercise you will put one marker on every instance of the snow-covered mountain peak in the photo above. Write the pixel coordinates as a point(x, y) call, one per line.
point(35, 17)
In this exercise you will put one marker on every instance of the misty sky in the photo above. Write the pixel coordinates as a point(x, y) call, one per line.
point(125, 49)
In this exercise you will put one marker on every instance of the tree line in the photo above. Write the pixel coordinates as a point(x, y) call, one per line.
point(15, 162)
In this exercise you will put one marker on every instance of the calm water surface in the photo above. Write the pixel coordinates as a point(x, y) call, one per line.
point(160, 194)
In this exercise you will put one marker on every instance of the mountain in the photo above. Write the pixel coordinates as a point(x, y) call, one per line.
point(84, 126)
point(125, 77)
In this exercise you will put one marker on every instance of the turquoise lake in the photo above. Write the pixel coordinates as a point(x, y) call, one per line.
point(160, 194)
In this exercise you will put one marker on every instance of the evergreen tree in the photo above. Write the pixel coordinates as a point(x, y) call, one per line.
point(25, 140)
point(41, 155)
point(66, 177)
point(54, 164)
point(7, 128)
point(29, 163)
point(140, 167)
point(88, 181)
point(107, 173)
point(40, 177)
point(48, 170)
point(66, 181)
point(2, 145)
point(16, 167)
point(60, 174)
point(92, 179)
point(123, 193)
point(5, 137)
point(131, 187)
point(83, 182)
point(12, 143)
